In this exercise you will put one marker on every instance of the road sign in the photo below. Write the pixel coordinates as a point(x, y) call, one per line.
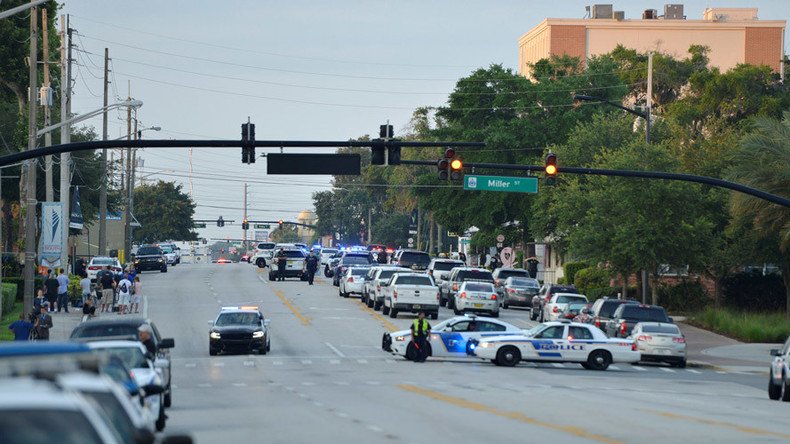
point(501, 183)
point(507, 257)
point(262, 226)
point(500, 238)
point(199, 225)
point(412, 231)
point(499, 244)
point(411, 241)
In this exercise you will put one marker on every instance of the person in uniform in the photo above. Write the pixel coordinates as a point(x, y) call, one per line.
point(282, 261)
point(420, 331)
point(311, 264)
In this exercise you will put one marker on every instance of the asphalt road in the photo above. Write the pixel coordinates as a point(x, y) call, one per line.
point(326, 379)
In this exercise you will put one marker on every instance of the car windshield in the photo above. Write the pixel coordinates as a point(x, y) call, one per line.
point(534, 330)
point(24, 426)
point(359, 271)
point(665, 329)
point(328, 251)
point(479, 287)
point(576, 306)
point(266, 246)
point(133, 357)
point(247, 319)
point(294, 254)
point(386, 274)
point(144, 251)
point(504, 274)
point(114, 411)
point(519, 282)
point(102, 261)
point(107, 330)
point(356, 259)
point(570, 299)
point(117, 372)
point(413, 280)
point(167, 248)
point(446, 266)
point(648, 314)
point(414, 257)
point(475, 275)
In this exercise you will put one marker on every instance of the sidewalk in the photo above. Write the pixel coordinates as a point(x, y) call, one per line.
point(64, 323)
point(708, 349)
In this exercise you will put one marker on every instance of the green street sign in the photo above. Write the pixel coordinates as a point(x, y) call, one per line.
point(501, 183)
point(199, 225)
point(262, 226)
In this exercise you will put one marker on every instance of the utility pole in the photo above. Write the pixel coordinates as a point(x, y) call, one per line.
point(430, 233)
point(370, 225)
point(439, 238)
point(648, 110)
point(103, 175)
point(127, 230)
point(419, 228)
point(65, 132)
point(137, 136)
point(45, 102)
point(30, 192)
point(244, 244)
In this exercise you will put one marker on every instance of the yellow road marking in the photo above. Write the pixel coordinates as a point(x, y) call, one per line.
point(305, 320)
point(728, 425)
point(387, 324)
point(516, 416)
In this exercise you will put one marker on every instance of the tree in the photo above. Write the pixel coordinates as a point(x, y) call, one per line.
point(287, 234)
point(763, 162)
point(164, 213)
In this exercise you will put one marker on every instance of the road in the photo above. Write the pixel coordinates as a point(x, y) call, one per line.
point(326, 379)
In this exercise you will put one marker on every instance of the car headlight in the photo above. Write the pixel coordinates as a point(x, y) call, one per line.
point(257, 334)
point(485, 345)
point(400, 338)
point(214, 335)
point(160, 259)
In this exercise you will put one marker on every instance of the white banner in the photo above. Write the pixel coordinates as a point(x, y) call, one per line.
point(50, 243)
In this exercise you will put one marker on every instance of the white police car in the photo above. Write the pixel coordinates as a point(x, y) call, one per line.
point(454, 338)
point(561, 341)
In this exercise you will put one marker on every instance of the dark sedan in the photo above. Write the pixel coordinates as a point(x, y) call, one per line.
point(239, 329)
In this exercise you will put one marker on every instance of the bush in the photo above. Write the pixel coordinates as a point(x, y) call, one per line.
point(8, 297)
point(748, 327)
point(754, 292)
point(562, 280)
point(597, 293)
point(20, 285)
point(686, 297)
point(571, 268)
point(591, 277)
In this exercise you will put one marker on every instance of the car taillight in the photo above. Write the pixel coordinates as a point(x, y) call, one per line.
point(511, 290)
point(633, 346)
point(350, 279)
point(493, 297)
point(437, 296)
point(395, 295)
point(378, 287)
point(94, 268)
point(623, 328)
point(555, 310)
point(679, 340)
point(598, 322)
point(463, 295)
point(644, 338)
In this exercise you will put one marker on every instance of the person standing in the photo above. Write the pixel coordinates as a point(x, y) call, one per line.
point(85, 286)
point(282, 261)
point(43, 323)
point(462, 257)
point(21, 328)
point(107, 289)
point(124, 293)
point(88, 310)
point(38, 301)
point(137, 294)
point(51, 286)
point(311, 264)
point(63, 291)
point(382, 257)
point(420, 331)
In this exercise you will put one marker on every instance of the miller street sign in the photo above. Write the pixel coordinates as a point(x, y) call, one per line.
point(199, 225)
point(501, 183)
point(262, 226)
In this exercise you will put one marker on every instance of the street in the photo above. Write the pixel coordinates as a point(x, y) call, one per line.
point(327, 379)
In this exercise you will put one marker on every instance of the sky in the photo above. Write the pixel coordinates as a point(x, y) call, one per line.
point(300, 70)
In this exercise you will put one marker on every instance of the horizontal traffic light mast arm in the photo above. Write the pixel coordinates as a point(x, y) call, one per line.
point(181, 143)
point(721, 183)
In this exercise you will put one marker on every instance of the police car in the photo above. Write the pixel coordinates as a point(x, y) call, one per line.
point(454, 338)
point(561, 341)
point(242, 329)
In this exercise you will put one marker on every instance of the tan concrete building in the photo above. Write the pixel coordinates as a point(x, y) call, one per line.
point(734, 35)
point(307, 217)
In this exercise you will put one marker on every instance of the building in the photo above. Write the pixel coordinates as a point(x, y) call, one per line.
point(306, 217)
point(734, 36)
point(86, 245)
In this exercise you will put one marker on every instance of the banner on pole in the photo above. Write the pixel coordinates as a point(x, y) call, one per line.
point(51, 241)
point(75, 218)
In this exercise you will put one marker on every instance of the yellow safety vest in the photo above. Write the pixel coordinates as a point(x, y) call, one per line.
point(416, 326)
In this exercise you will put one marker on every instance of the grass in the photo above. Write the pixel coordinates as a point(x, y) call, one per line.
point(747, 327)
point(8, 318)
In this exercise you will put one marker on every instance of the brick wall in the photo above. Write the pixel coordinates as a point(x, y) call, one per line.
point(568, 39)
point(764, 47)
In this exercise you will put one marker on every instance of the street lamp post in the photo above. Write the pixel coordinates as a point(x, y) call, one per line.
point(130, 171)
point(646, 116)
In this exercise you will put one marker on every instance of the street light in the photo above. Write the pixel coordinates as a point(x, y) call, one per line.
point(150, 128)
point(134, 104)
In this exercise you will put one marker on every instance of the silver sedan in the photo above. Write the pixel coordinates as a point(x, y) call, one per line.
point(660, 342)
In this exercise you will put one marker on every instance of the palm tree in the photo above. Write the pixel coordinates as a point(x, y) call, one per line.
point(763, 162)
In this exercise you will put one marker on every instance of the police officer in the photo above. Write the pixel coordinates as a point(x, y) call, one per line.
point(311, 264)
point(420, 331)
point(282, 261)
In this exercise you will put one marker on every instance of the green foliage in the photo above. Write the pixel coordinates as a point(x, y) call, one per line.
point(20, 287)
point(562, 280)
point(8, 297)
point(570, 269)
point(74, 285)
point(591, 277)
point(165, 213)
point(748, 327)
point(753, 291)
point(287, 234)
point(685, 297)
point(594, 294)
point(9, 316)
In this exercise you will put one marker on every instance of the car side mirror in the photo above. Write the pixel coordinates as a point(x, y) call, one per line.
point(266, 322)
point(177, 439)
point(167, 343)
point(153, 389)
point(448, 329)
point(210, 322)
point(671, 321)
point(775, 352)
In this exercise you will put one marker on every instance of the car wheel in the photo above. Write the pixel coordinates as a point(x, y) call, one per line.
point(168, 397)
point(212, 352)
point(411, 352)
point(435, 316)
point(774, 390)
point(494, 314)
point(260, 263)
point(541, 316)
point(532, 315)
point(161, 418)
point(370, 303)
point(271, 277)
point(599, 360)
point(376, 306)
point(263, 350)
point(163, 270)
point(508, 356)
point(585, 365)
point(785, 389)
point(457, 312)
point(385, 310)
point(680, 364)
point(393, 313)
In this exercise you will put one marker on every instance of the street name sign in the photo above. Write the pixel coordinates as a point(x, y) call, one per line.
point(199, 225)
point(262, 226)
point(501, 183)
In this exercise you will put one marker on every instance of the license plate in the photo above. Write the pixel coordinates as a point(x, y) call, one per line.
point(664, 352)
point(417, 306)
point(478, 305)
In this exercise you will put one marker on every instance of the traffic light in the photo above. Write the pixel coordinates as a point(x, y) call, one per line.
point(456, 166)
point(393, 154)
point(449, 167)
point(382, 154)
point(248, 148)
point(551, 169)
point(245, 225)
point(378, 155)
point(220, 222)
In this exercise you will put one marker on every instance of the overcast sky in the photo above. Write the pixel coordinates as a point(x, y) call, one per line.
point(322, 70)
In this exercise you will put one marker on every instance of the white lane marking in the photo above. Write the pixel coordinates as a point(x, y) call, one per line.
point(721, 373)
point(342, 415)
point(306, 361)
point(249, 363)
point(375, 428)
point(219, 364)
point(204, 385)
point(638, 368)
point(558, 365)
point(318, 404)
point(340, 383)
point(668, 370)
point(277, 362)
point(239, 384)
point(334, 361)
point(614, 367)
point(303, 396)
point(334, 349)
point(373, 383)
point(190, 365)
point(691, 370)
point(362, 361)
point(306, 383)
point(145, 307)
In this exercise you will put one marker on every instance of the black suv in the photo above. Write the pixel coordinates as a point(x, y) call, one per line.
point(603, 309)
point(414, 259)
point(628, 315)
point(150, 257)
point(350, 259)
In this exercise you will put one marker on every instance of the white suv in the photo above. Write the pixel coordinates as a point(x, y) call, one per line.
point(263, 254)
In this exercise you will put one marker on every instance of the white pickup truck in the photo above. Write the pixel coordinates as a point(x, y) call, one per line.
point(410, 292)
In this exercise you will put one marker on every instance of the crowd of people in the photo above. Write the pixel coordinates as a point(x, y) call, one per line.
point(112, 292)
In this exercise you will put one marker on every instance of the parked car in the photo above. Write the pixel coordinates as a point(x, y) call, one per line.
point(501, 274)
point(604, 308)
point(264, 251)
point(518, 291)
point(558, 303)
point(414, 259)
point(99, 262)
point(545, 294)
point(331, 264)
point(660, 342)
point(439, 269)
point(411, 292)
point(573, 309)
point(326, 254)
point(150, 257)
point(294, 265)
point(628, 315)
point(350, 259)
point(779, 373)
point(459, 275)
point(371, 293)
point(353, 281)
point(476, 297)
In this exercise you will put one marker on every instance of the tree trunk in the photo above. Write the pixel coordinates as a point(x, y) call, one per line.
point(625, 285)
point(654, 290)
point(17, 90)
point(786, 279)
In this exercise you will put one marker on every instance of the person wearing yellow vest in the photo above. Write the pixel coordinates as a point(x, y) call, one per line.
point(420, 333)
